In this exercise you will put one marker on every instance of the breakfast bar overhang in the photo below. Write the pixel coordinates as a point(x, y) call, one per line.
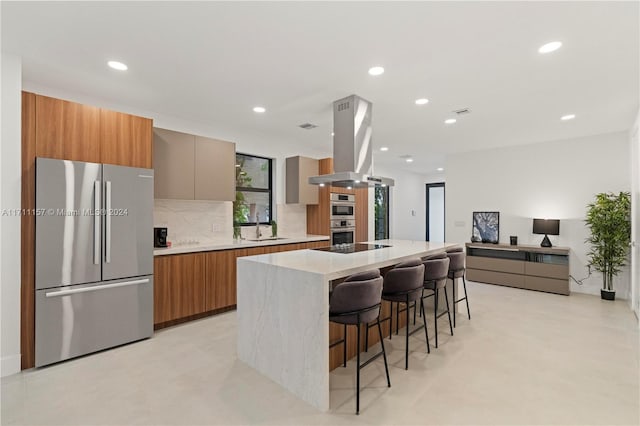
point(283, 309)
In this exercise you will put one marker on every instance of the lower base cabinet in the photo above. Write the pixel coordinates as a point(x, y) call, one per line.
point(192, 285)
point(179, 286)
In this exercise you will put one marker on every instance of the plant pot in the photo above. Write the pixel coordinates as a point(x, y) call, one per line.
point(607, 294)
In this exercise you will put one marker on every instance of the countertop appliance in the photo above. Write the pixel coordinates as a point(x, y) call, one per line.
point(351, 248)
point(352, 147)
point(94, 257)
point(159, 237)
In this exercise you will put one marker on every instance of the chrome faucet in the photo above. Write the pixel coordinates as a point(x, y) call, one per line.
point(258, 233)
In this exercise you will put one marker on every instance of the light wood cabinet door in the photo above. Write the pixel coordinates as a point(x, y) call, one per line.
point(173, 158)
point(67, 130)
point(215, 169)
point(178, 286)
point(125, 139)
point(298, 189)
point(221, 279)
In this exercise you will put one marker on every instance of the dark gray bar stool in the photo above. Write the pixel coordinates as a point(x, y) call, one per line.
point(457, 270)
point(355, 301)
point(403, 284)
point(435, 279)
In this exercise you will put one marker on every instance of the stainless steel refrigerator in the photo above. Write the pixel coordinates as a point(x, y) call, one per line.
point(94, 257)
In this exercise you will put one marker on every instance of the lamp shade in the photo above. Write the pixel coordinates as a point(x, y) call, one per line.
point(546, 226)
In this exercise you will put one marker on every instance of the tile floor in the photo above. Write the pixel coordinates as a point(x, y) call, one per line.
point(524, 358)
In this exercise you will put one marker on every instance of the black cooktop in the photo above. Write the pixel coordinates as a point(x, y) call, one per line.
point(351, 248)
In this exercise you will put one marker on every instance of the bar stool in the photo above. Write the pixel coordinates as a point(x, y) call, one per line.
point(457, 270)
point(403, 284)
point(435, 278)
point(353, 302)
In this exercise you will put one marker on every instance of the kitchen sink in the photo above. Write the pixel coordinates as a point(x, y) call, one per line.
point(266, 239)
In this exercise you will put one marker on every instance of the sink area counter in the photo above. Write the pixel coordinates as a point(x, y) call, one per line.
point(283, 310)
point(229, 244)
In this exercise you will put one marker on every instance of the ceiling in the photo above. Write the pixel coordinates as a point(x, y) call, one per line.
point(212, 62)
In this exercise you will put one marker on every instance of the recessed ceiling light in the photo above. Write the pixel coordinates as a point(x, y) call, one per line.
point(422, 101)
point(449, 121)
point(384, 148)
point(439, 169)
point(259, 109)
point(568, 117)
point(409, 160)
point(550, 47)
point(376, 71)
point(117, 65)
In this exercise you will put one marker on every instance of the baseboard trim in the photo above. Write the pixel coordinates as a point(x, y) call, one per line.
point(10, 365)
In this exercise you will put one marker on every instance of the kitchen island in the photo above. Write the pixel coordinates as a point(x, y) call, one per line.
point(283, 310)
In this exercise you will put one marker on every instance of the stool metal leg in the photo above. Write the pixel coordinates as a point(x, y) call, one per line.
point(397, 317)
point(435, 315)
point(358, 368)
point(446, 298)
point(366, 337)
point(406, 351)
point(424, 321)
point(384, 354)
point(344, 348)
point(390, 320)
point(453, 286)
point(466, 298)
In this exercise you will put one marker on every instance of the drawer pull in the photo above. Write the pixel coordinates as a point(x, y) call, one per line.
point(96, 288)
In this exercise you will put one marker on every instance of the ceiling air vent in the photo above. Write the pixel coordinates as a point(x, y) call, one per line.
point(462, 111)
point(307, 126)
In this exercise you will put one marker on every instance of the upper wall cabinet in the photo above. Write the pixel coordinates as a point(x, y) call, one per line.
point(189, 167)
point(67, 130)
point(125, 139)
point(215, 169)
point(71, 131)
point(298, 189)
point(173, 154)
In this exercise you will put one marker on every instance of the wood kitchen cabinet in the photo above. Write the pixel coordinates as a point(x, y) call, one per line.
point(179, 286)
point(173, 156)
point(125, 139)
point(298, 189)
point(67, 130)
point(189, 167)
point(221, 278)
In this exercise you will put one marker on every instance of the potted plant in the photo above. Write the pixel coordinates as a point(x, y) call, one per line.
point(274, 229)
point(609, 220)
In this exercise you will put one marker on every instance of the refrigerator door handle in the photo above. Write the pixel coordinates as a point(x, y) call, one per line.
point(96, 222)
point(108, 222)
point(95, 288)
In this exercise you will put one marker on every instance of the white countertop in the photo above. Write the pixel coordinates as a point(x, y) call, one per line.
point(227, 244)
point(337, 265)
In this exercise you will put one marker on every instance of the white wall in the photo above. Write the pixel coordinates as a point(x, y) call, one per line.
point(407, 203)
point(634, 138)
point(10, 172)
point(554, 179)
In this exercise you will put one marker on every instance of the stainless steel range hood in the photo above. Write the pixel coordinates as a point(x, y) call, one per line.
point(352, 150)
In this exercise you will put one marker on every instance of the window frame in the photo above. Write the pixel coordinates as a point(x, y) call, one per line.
point(268, 190)
point(387, 207)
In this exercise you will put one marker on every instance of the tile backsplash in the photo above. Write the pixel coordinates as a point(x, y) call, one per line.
point(191, 222)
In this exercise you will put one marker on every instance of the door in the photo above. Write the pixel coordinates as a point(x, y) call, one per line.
point(635, 223)
point(78, 320)
point(68, 233)
point(128, 222)
point(435, 212)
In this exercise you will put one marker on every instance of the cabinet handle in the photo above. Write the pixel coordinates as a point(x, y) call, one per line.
point(96, 222)
point(96, 288)
point(108, 222)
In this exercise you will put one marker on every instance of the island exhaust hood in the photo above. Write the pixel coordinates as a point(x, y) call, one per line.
point(352, 150)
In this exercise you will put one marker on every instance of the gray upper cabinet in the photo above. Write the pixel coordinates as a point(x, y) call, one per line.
point(173, 154)
point(189, 167)
point(298, 189)
point(215, 170)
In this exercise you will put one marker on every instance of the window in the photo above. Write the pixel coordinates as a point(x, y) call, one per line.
point(381, 213)
point(253, 190)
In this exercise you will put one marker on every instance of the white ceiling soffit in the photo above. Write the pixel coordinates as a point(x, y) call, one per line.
point(212, 62)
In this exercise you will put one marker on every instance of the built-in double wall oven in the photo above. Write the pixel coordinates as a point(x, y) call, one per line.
point(343, 223)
